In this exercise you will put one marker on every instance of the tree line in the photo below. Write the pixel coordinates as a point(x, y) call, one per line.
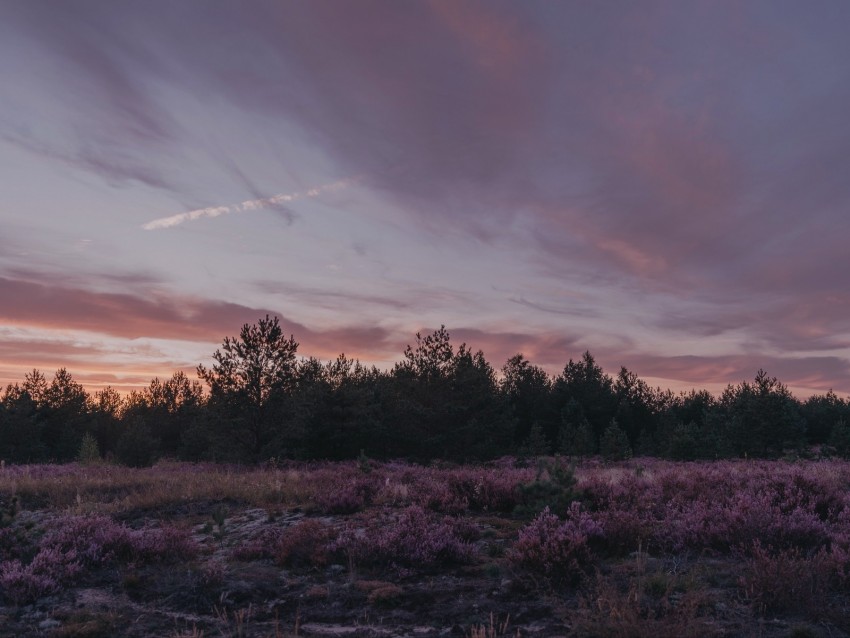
point(258, 401)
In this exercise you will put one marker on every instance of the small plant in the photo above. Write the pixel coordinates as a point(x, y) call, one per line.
point(234, 623)
point(495, 629)
point(553, 488)
point(364, 464)
point(219, 517)
point(89, 453)
point(8, 510)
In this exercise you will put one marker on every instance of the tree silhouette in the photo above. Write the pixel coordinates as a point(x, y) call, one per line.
point(762, 417)
point(67, 415)
point(584, 382)
point(527, 390)
point(248, 384)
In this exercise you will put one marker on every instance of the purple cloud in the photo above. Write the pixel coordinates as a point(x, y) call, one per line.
point(684, 165)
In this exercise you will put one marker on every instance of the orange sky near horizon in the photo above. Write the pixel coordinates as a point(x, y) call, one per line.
point(661, 184)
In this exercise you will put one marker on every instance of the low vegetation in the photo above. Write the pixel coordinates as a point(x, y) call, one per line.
point(637, 548)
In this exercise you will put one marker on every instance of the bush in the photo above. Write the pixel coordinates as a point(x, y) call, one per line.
point(787, 580)
point(89, 453)
point(416, 538)
point(553, 488)
point(559, 550)
point(346, 497)
point(304, 544)
point(45, 575)
point(87, 541)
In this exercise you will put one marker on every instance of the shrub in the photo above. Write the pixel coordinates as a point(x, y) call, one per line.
point(89, 451)
point(633, 612)
point(14, 543)
point(553, 488)
point(416, 538)
point(78, 542)
point(625, 529)
point(263, 545)
point(439, 495)
point(559, 550)
point(786, 580)
point(23, 583)
point(96, 540)
point(345, 497)
point(478, 490)
point(304, 544)
point(8, 510)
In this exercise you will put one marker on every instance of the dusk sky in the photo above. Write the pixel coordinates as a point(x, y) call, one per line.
point(665, 184)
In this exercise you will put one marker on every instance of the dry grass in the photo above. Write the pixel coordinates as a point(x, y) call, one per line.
point(112, 489)
point(641, 599)
point(495, 629)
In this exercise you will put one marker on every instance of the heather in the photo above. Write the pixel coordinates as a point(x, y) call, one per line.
point(72, 544)
point(555, 547)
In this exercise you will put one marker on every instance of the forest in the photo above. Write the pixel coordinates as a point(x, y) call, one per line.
point(260, 402)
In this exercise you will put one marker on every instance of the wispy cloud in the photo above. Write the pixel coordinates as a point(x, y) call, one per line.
point(246, 206)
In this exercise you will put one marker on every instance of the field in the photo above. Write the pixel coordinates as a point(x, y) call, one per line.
point(543, 548)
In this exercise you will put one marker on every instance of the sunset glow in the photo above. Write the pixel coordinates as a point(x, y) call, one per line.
point(663, 184)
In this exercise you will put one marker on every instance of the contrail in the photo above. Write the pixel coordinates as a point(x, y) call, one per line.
point(251, 204)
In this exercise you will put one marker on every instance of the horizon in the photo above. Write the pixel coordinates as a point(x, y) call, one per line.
point(134, 385)
point(662, 185)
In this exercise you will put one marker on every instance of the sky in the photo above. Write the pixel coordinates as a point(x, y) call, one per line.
point(664, 184)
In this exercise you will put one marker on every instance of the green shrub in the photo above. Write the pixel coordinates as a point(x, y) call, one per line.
point(553, 487)
point(89, 453)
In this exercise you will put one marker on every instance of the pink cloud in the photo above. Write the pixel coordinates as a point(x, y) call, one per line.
point(36, 304)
